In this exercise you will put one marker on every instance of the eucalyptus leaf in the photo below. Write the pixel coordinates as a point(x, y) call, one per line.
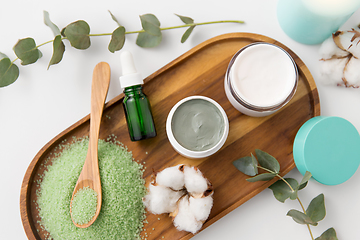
point(262, 177)
point(281, 190)
point(316, 209)
point(117, 39)
point(63, 32)
point(300, 217)
point(329, 234)
point(146, 40)
point(267, 161)
point(9, 72)
point(78, 34)
point(186, 20)
point(150, 24)
point(246, 165)
point(301, 186)
point(50, 24)
point(27, 51)
point(294, 195)
point(305, 180)
point(58, 51)
point(187, 33)
point(114, 18)
point(2, 55)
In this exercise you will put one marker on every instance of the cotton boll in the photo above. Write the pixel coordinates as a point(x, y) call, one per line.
point(352, 73)
point(190, 206)
point(195, 182)
point(345, 39)
point(329, 49)
point(161, 199)
point(331, 71)
point(185, 219)
point(201, 207)
point(172, 177)
point(355, 48)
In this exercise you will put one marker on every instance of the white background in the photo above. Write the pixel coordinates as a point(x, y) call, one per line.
point(42, 103)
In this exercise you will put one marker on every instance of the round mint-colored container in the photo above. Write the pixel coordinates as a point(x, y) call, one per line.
point(329, 148)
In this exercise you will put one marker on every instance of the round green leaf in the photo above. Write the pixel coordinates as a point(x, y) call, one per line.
point(9, 72)
point(187, 33)
point(281, 190)
point(262, 177)
point(246, 165)
point(148, 41)
point(26, 50)
point(267, 161)
point(58, 51)
point(117, 39)
point(150, 24)
point(329, 234)
point(186, 20)
point(316, 209)
point(78, 34)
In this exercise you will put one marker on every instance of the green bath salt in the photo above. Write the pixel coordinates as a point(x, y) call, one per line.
point(83, 206)
point(122, 211)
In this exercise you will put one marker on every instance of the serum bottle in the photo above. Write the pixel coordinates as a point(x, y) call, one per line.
point(136, 104)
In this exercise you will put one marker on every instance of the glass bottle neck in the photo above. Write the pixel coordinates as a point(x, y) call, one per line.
point(133, 89)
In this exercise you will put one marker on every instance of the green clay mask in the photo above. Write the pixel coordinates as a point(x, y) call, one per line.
point(197, 125)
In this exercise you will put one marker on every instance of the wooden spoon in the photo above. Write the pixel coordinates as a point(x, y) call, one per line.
point(90, 175)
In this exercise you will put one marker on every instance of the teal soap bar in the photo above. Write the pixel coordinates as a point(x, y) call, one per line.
point(329, 148)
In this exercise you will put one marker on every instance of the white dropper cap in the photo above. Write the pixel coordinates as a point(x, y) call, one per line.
point(130, 76)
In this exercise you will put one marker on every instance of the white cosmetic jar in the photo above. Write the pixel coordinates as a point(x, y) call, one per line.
point(260, 79)
point(195, 139)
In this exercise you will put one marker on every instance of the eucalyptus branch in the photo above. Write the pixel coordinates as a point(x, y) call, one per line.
point(78, 34)
point(286, 188)
point(292, 190)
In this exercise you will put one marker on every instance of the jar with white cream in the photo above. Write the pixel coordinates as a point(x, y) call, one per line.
point(261, 78)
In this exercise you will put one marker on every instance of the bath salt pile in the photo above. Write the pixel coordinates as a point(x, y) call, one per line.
point(340, 59)
point(83, 206)
point(122, 211)
point(182, 192)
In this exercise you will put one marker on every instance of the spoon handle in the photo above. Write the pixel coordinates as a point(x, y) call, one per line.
point(99, 89)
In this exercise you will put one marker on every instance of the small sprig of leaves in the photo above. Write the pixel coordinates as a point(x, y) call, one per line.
point(286, 188)
point(78, 34)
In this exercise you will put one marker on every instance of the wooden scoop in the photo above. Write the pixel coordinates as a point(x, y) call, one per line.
point(90, 176)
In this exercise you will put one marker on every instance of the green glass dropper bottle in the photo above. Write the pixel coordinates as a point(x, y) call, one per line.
point(136, 104)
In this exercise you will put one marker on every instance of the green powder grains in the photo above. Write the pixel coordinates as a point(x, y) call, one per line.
point(122, 211)
point(83, 206)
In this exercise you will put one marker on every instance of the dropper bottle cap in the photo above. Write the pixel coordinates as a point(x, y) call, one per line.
point(130, 76)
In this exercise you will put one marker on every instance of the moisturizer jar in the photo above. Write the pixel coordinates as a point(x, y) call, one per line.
point(197, 127)
point(261, 78)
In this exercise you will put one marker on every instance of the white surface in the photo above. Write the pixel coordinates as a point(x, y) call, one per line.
point(41, 103)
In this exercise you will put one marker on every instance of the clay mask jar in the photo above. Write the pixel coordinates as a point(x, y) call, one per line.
point(261, 78)
point(197, 127)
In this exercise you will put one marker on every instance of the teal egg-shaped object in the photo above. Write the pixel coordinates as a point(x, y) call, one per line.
point(329, 148)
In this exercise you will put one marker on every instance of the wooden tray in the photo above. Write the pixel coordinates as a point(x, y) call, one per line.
point(200, 71)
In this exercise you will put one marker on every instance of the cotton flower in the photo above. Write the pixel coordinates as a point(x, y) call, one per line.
point(340, 60)
point(184, 193)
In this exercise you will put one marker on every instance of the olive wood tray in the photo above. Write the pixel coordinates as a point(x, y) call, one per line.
point(199, 71)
